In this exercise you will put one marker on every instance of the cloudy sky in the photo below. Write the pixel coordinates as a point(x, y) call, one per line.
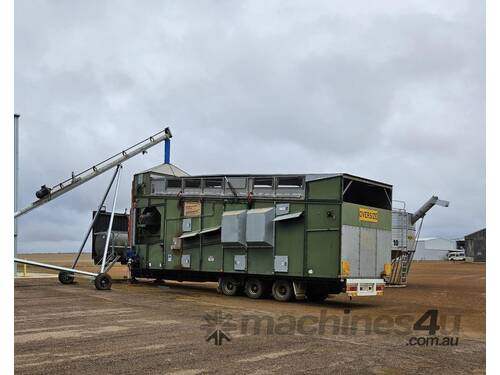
point(389, 90)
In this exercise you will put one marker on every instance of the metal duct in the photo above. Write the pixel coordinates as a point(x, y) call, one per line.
point(433, 201)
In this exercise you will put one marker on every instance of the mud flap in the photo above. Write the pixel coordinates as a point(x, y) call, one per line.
point(300, 290)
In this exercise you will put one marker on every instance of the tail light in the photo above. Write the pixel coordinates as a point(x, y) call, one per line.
point(351, 288)
point(380, 287)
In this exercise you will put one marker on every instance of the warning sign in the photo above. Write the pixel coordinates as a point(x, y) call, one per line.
point(367, 214)
point(192, 209)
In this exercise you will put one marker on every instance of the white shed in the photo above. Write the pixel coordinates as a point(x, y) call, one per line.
point(434, 248)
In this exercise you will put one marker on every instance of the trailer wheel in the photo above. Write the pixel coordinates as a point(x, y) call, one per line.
point(282, 290)
point(229, 286)
point(254, 288)
point(103, 281)
point(65, 278)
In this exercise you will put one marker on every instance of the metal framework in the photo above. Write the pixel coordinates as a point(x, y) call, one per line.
point(401, 263)
point(67, 274)
point(78, 179)
point(101, 280)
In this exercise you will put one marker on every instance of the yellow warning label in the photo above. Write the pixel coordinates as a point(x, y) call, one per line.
point(367, 214)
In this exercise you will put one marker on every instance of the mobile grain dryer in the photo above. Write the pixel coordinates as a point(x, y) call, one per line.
point(295, 236)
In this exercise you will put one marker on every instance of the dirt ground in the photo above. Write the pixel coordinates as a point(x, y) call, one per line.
point(149, 328)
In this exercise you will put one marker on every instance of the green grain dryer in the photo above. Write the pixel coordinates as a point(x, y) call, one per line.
point(294, 236)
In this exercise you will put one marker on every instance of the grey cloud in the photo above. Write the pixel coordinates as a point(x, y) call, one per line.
point(390, 90)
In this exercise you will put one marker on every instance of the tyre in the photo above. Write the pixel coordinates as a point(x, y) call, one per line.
point(254, 288)
point(229, 286)
point(103, 281)
point(282, 290)
point(65, 278)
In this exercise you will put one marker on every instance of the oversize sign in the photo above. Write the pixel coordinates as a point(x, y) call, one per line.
point(369, 215)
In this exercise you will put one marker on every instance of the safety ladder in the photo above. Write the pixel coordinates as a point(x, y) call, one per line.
point(406, 259)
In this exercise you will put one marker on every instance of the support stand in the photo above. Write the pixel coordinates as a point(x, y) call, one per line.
point(102, 280)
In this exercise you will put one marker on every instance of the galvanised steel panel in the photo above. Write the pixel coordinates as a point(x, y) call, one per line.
point(187, 225)
point(186, 260)
point(281, 263)
point(368, 252)
point(403, 231)
point(260, 227)
point(384, 239)
point(240, 262)
point(234, 228)
point(350, 248)
point(282, 208)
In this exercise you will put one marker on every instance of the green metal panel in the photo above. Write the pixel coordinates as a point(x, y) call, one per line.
point(262, 204)
point(212, 258)
point(311, 242)
point(212, 213)
point(260, 261)
point(323, 253)
point(142, 253)
point(229, 259)
point(157, 201)
point(323, 239)
point(161, 210)
point(234, 206)
point(173, 229)
point(142, 202)
point(192, 248)
point(350, 216)
point(323, 216)
point(289, 241)
point(155, 256)
point(328, 188)
point(171, 260)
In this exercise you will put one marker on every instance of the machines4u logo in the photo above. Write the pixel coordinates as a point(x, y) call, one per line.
point(217, 326)
point(429, 322)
